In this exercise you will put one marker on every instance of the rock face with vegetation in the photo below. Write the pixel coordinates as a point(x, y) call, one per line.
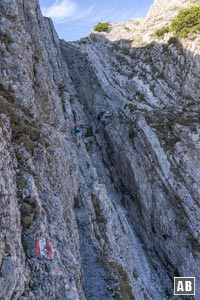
point(122, 211)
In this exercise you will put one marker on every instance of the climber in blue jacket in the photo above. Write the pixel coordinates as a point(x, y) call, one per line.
point(78, 134)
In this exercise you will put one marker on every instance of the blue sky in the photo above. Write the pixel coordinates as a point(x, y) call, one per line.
point(74, 19)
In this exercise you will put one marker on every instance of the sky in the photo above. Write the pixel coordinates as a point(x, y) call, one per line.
point(74, 19)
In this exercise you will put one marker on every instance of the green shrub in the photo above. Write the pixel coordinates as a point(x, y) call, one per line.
point(27, 221)
point(37, 210)
point(160, 32)
point(131, 133)
point(187, 21)
point(89, 132)
point(25, 209)
point(102, 27)
point(21, 182)
point(31, 200)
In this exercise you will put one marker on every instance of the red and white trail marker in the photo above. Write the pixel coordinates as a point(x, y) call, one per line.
point(43, 248)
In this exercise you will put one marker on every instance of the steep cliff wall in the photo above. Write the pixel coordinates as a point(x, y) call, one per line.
point(38, 161)
point(122, 210)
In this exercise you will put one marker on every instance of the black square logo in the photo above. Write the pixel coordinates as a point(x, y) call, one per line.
point(184, 286)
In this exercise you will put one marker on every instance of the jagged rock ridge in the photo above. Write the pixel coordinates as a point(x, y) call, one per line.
point(121, 211)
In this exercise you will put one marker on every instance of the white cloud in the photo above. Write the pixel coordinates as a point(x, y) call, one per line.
point(113, 14)
point(64, 11)
point(60, 10)
point(79, 15)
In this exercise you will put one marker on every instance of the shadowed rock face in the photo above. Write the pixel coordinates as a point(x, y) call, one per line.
point(122, 210)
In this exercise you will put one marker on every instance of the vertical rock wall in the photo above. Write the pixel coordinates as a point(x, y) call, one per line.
point(38, 162)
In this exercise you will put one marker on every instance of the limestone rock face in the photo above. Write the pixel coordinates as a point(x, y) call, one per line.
point(38, 162)
point(122, 210)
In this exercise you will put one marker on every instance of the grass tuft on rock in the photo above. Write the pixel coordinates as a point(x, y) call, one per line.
point(172, 40)
point(161, 31)
point(125, 291)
